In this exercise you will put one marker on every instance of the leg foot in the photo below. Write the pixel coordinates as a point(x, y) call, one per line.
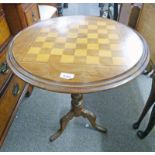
point(101, 128)
point(92, 119)
point(141, 134)
point(135, 125)
point(150, 125)
point(55, 136)
point(63, 123)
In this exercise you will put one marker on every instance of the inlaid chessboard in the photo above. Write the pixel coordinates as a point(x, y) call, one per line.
point(84, 42)
point(91, 48)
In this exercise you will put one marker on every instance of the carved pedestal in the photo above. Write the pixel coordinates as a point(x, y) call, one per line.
point(76, 111)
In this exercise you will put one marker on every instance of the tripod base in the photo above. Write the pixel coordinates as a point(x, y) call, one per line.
point(76, 111)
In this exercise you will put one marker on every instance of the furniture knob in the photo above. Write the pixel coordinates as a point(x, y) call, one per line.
point(4, 68)
point(34, 17)
point(15, 90)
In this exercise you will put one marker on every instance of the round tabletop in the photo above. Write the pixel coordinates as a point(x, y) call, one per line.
point(77, 54)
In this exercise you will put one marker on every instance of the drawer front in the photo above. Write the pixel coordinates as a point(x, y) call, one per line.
point(32, 15)
point(8, 102)
point(5, 72)
point(4, 30)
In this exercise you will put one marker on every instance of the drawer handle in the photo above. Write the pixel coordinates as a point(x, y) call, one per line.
point(4, 68)
point(15, 90)
point(33, 17)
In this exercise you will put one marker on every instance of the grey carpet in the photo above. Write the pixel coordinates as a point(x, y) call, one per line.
point(38, 116)
point(87, 9)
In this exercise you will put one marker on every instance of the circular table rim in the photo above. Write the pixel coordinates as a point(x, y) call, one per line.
point(66, 87)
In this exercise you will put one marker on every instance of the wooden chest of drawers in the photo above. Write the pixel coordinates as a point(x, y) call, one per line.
point(20, 16)
point(5, 72)
point(12, 89)
point(4, 30)
point(9, 102)
point(32, 14)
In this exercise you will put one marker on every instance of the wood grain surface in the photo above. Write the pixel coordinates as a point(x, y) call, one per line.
point(100, 53)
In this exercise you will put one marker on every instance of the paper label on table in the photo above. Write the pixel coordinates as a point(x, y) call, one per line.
point(67, 75)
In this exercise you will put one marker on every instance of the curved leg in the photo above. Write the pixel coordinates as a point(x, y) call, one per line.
point(63, 123)
point(143, 134)
point(76, 111)
point(149, 103)
point(92, 119)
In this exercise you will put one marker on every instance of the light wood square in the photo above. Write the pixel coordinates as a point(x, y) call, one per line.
point(43, 57)
point(82, 40)
point(92, 35)
point(67, 59)
point(34, 50)
point(80, 52)
point(83, 30)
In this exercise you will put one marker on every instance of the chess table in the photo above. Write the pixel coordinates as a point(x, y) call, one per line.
point(77, 55)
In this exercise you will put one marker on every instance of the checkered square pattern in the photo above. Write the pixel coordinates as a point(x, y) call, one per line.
point(91, 43)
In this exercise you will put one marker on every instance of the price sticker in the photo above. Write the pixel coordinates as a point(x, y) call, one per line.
point(67, 75)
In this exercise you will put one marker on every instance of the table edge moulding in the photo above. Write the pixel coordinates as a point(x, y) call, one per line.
point(66, 87)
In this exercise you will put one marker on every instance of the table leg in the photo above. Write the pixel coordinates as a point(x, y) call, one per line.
point(143, 134)
point(92, 119)
point(63, 123)
point(76, 111)
point(149, 103)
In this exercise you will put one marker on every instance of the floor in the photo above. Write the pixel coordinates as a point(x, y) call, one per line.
point(87, 9)
point(38, 117)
